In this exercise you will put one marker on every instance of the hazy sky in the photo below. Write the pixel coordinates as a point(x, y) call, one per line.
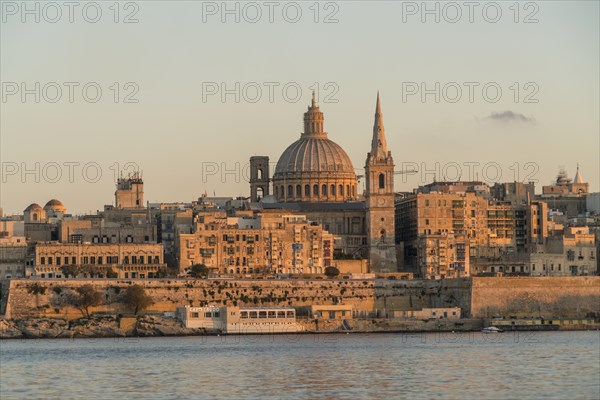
point(188, 139)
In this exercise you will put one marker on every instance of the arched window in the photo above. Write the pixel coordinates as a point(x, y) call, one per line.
point(35, 217)
point(282, 191)
point(324, 190)
point(260, 192)
point(259, 173)
point(298, 191)
point(381, 181)
point(348, 190)
point(353, 190)
point(307, 190)
point(382, 233)
point(341, 190)
point(332, 190)
point(315, 190)
point(290, 191)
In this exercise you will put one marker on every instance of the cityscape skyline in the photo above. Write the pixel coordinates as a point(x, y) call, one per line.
point(181, 121)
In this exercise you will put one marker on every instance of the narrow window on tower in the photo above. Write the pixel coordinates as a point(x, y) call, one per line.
point(381, 181)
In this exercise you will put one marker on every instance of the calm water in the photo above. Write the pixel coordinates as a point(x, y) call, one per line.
point(560, 365)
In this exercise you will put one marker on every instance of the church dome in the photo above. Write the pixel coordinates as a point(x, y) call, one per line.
point(33, 207)
point(314, 155)
point(314, 168)
point(53, 206)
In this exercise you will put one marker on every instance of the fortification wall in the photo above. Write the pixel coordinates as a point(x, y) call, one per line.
point(37, 297)
point(540, 296)
point(477, 297)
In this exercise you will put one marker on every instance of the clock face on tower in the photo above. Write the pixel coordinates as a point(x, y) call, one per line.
point(382, 202)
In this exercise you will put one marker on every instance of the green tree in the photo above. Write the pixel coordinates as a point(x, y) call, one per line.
point(199, 271)
point(332, 272)
point(87, 297)
point(137, 298)
point(110, 273)
point(70, 271)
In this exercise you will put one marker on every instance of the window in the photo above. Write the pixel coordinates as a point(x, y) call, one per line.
point(381, 181)
point(324, 190)
point(50, 260)
point(73, 260)
point(57, 260)
point(332, 190)
point(100, 260)
point(307, 190)
point(262, 314)
point(207, 314)
point(298, 191)
point(42, 260)
point(315, 190)
point(195, 315)
point(280, 314)
point(253, 314)
point(290, 191)
point(426, 203)
point(244, 314)
point(341, 190)
point(290, 314)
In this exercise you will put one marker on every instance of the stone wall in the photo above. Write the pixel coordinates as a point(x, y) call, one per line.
point(535, 296)
point(39, 297)
point(477, 297)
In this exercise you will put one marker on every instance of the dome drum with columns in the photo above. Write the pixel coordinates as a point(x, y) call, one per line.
point(314, 168)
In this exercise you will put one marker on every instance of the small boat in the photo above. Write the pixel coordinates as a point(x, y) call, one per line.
point(491, 329)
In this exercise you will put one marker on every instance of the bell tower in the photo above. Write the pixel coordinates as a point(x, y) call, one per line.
point(259, 178)
point(379, 197)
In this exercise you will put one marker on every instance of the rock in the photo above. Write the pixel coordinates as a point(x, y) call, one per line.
point(9, 330)
point(44, 328)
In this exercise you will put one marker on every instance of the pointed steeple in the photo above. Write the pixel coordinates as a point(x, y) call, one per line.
point(378, 144)
point(313, 120)
point(578, 178)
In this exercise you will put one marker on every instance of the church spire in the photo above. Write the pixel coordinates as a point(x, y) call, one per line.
point(578, 178)
point(378, 144)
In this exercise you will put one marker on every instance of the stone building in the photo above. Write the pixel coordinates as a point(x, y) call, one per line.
point(566, 195)
point(573, 254)
point(443, 256)
point(128, 260)
point(315, 177)
point(130, 192)
point(268, 242)
point(495, 229)
point(13, 257)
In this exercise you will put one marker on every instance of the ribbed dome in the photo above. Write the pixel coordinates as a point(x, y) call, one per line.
point(314, 168)
point(55, 206)
point(314, 155)
point(54, 202)
point(33, 207)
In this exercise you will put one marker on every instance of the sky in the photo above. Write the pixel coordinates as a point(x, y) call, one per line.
point(188, 91)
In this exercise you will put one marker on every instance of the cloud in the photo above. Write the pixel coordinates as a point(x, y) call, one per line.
point(508, 116)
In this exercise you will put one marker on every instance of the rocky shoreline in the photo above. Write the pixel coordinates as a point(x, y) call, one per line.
point(94, 327)
point(110, 326)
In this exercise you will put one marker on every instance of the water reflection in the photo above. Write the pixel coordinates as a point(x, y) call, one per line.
point(447, 366)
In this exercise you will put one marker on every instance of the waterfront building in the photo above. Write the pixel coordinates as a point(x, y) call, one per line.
point(240, 320)
point(126, 260)
point(269, 242)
